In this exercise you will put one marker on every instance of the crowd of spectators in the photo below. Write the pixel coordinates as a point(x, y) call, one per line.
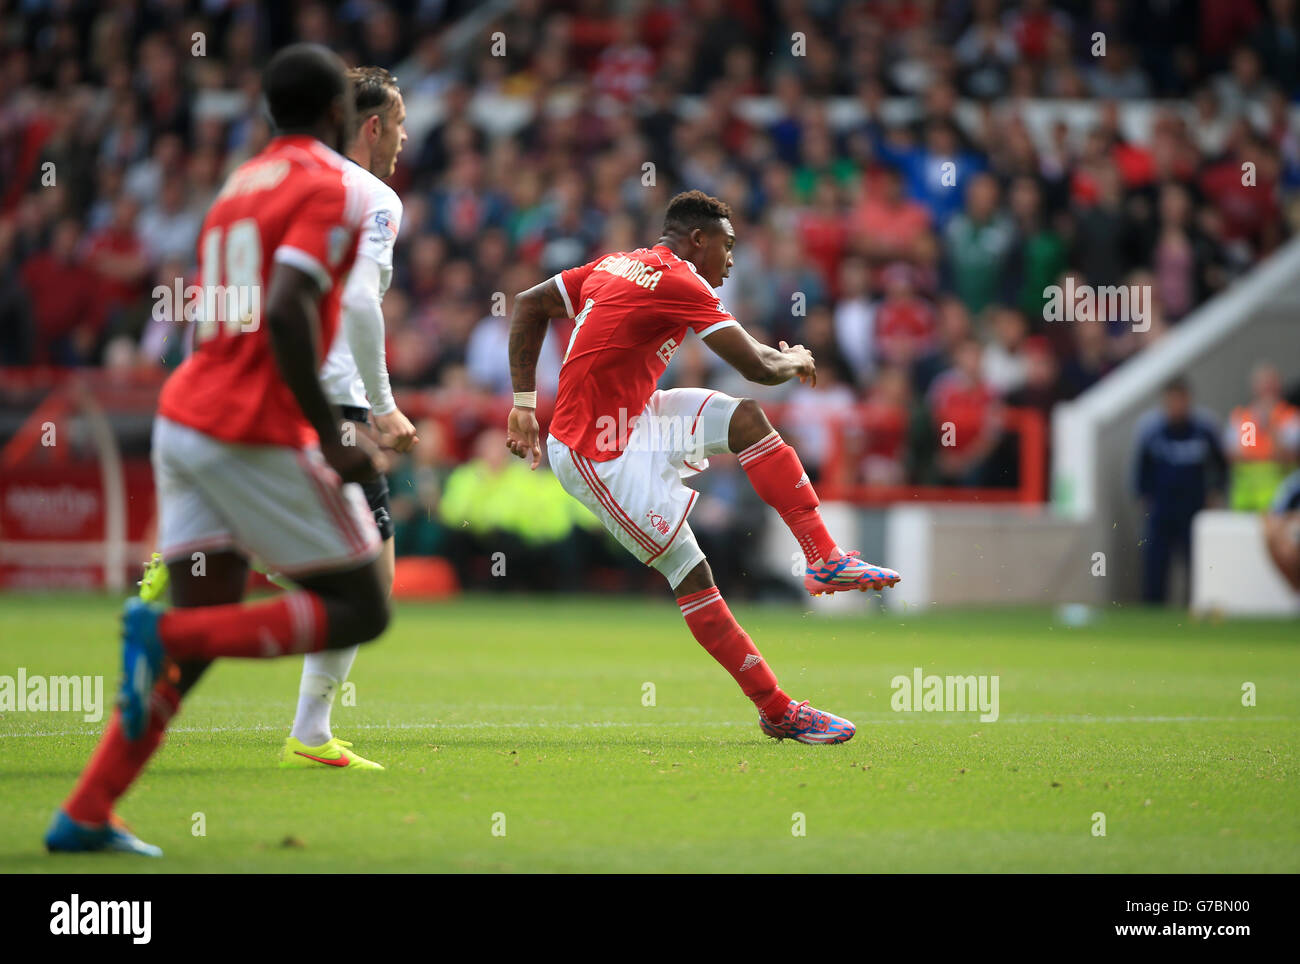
point(897, 207)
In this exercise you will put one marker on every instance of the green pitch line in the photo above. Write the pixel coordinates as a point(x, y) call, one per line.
point(527, 716)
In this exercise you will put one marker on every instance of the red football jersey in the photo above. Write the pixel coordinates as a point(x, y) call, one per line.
point(972, 408)
point(632, 310)
point(290, 203)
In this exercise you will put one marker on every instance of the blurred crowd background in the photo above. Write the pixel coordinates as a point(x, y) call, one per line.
point(544, 134)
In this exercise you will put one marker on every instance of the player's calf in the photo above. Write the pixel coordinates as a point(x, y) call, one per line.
point(714, 627)
point(311, 740)
point(749, 424)
point(778, 476)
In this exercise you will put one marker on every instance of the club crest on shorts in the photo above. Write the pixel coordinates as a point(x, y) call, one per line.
point(658, 522)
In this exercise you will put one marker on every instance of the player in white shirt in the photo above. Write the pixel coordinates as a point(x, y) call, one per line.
point(355, 377)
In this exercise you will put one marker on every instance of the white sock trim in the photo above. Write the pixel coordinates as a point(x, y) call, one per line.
point(766, 444)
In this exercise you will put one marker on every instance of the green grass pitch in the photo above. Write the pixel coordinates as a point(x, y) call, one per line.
point(527, 715)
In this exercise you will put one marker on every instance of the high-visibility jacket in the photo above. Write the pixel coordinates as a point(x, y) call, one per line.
point(1274, 434)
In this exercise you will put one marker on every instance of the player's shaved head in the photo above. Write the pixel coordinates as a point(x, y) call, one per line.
point(301, 83)
point(694, 209)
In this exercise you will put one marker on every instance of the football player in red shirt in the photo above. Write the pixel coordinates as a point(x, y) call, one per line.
point(622, 448)
point(249, 461)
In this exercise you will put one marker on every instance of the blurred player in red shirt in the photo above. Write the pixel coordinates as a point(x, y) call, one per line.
point(906, 327)
point(622, 448)
point(967, 415)
point(249, 460)
point(885, 422)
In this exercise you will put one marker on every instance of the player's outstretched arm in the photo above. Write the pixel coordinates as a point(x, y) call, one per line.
point(293, 319)
point(363, 326)
point(533, 312)
point(761, 363)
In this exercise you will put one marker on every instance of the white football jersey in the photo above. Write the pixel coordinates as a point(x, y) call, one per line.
point(383, 219)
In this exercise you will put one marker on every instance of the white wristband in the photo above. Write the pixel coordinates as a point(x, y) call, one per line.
point(525, 399)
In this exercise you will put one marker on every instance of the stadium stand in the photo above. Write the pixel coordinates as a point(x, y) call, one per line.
point(908, 178)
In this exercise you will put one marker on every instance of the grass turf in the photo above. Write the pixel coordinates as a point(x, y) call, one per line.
point(532, 709)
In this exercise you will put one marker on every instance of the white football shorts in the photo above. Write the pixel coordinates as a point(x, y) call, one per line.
point(639, 495)
point(283, 506)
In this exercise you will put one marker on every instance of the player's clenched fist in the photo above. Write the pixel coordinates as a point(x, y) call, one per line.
point(522, 435)
point(807, 370)
point(396, 431)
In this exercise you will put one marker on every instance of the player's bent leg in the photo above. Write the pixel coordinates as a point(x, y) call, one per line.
point(779, 479)
point(329, 612)
point(715, 628)
point(630, 488)
point(223, 581)
point(311, 741)
point(218, 581)
point(86, 821)
point(357, 602)
point(749, 425)
point(284, 506)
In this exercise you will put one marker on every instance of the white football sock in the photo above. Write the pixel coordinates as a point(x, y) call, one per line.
point(322, 675)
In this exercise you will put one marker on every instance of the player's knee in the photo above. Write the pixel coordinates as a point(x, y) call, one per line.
point(749, 424)
point(359, 610)
point(697, 580)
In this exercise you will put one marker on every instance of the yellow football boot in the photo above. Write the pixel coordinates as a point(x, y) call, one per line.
point(335, 753)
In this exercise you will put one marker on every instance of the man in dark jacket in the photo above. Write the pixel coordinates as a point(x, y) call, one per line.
point(1179, 466)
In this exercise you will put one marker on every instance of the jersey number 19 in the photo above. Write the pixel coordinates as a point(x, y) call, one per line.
point(231, 295)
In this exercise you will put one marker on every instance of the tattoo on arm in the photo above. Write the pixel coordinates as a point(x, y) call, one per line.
point(533, 312)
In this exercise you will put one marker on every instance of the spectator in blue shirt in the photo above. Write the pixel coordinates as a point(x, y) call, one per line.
point(936, 173)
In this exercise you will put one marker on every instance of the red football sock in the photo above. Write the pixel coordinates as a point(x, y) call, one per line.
point(116, 762)
point(718, 632)
point(778, 477)
point(292, 623)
